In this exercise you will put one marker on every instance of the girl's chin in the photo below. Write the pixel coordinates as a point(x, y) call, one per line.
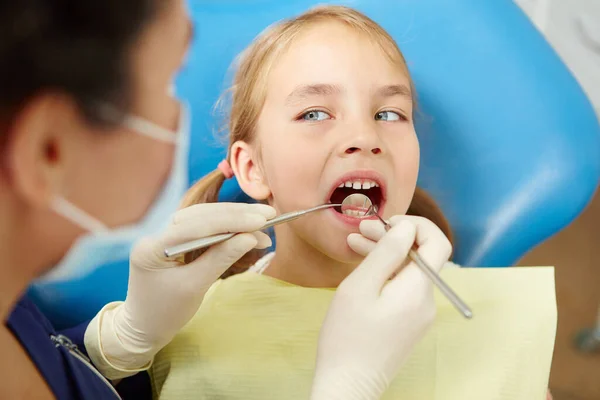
point(340, 251)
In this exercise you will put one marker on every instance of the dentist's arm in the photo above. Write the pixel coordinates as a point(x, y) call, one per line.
point(163, 295)
point(377, 318)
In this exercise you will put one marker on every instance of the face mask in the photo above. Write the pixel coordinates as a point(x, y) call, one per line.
point(103, 245)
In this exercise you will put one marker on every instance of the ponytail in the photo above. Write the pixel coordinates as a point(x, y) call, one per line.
point(206, 190)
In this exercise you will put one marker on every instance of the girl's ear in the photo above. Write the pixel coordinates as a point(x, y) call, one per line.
point(247, 171)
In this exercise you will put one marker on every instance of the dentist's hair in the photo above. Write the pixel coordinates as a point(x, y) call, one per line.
point(81, 49)
point(248, 94)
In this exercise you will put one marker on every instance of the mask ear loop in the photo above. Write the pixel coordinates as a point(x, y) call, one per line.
point(139, 125)
point(150, 129)
point(71, 213)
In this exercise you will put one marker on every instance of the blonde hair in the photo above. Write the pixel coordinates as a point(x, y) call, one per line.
point(248, 94)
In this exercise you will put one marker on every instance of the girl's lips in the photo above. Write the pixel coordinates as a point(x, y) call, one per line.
point(354, 208)
point(347, 219)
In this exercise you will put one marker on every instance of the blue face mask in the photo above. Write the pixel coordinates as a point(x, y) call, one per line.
point(103, 245)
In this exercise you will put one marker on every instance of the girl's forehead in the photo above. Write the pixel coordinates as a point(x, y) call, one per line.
point(313, 59)
point(320, 44)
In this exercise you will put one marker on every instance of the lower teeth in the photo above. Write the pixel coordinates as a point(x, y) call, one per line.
point(354, 213)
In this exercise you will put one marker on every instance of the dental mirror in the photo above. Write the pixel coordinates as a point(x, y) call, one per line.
point(357, 205)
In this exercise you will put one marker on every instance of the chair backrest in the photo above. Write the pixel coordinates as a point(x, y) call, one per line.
point(510, 143)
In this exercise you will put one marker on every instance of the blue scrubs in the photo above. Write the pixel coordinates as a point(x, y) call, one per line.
point(61, 359)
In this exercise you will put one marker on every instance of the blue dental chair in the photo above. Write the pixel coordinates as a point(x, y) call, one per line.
point(510, 143)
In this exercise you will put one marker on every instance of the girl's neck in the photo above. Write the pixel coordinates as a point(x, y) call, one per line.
point(298, 263)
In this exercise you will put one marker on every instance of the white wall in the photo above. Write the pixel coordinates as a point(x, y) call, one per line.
point(573, 29)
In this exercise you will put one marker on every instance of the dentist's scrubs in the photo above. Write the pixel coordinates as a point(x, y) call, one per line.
point(62, 361)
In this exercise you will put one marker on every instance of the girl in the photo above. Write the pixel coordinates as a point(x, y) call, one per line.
point(322, 107)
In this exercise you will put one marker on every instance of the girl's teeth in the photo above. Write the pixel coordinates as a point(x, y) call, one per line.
point(354, 213)
point(358, 185)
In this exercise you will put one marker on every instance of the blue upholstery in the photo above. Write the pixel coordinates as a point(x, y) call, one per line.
point(510, 144)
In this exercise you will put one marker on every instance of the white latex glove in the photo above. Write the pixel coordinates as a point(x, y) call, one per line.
point(164, 295)
point(373, 322)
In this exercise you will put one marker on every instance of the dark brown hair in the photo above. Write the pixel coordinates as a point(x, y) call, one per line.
point(79, 48)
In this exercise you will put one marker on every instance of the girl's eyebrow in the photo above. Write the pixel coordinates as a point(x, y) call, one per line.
point(394, 90)
point(319, 89)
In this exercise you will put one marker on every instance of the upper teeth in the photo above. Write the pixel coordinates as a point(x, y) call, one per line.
point(359, 184)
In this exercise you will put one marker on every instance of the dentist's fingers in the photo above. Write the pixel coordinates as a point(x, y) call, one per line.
point(211, 224)
point(383, 261)
point(433, 246)
point(372, 229)
point(263, 240)
point(215, 261)
point(360, 244)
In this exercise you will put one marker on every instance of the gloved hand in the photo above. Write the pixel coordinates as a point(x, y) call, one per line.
point(163, 295)
point(376, 318)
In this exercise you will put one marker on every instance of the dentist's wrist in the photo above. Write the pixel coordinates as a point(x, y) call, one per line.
point(113, 357)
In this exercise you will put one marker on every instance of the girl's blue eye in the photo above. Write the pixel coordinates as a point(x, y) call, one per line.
point(388, 116)
point(315, 115)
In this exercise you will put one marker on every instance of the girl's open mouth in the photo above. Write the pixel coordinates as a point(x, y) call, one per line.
point(368, 187)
